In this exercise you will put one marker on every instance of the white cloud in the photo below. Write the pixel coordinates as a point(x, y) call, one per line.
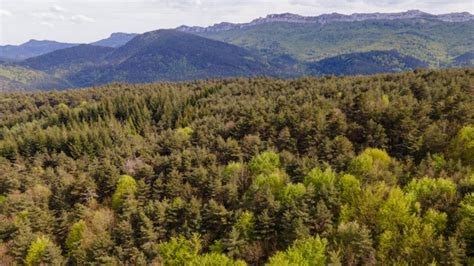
point(302, 2)
point(57, 9)
point(6, 13)
point(81, 19)
point(146, 15)
point(178, 4)
point(49, 16)
point(344, 2)
point(366, 6)
point(47, 24)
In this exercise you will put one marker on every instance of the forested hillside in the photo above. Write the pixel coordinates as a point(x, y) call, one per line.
point(367, 63)
point(372, 170)
point(31, 48)
point(162, 55)
point(279, 45)
point(437, 43)
point(18, 78)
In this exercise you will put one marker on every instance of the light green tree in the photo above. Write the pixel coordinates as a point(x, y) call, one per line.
point(310, 252)
point(43, 252)
point(372, 165)
point(265, 163)
point(126, 186)
point(214, 259)
point(179, 250)
point(462, 146)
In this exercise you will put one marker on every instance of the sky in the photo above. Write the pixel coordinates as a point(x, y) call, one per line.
point(83, 21)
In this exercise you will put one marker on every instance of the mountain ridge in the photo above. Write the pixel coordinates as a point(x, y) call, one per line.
point(68, 57)
point(34, 48)
point(115, 39)
point(153, 56)
point(278, 45)
point(31, 48)
point(329, 18)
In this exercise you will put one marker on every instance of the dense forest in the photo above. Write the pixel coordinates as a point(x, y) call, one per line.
point(365, 170)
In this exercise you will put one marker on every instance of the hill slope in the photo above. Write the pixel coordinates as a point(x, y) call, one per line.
point(16, 78)
point(365, 63)
point(172, 55)
point(464, 60)
point(69, 59)
point(427, 38)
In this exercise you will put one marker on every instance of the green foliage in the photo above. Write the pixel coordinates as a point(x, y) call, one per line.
point(311, 251)
point(43, 251)
point(36, 251)
point(437, 219)
point(126, 186)
point(354, 241)
point(466, 226)
point(462, 145)
point(246, 224)
point(292, 192)
point(232, 169)
point(186, 131)
point(265, 163)
point(433, 193)
point(321, 179)
point(350, 188)
point(274, 181)
point(269, 162)
point(213, 259)
point(76, 235)
point(373, 164)
point(179, 250)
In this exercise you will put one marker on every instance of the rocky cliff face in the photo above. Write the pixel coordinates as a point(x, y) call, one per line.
point(329, 18)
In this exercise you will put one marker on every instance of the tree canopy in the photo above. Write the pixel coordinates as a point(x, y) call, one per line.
point(367, 170)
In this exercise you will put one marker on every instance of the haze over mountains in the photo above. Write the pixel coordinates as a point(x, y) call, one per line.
point(31, 48)
point(284, 45)
point(34, 48)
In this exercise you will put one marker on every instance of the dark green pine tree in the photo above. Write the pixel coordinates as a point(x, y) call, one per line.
point(146, 237)
point(21, 241)
point(158, 214)
point(123, 236)
point(143, 193)
point(265, 230)
point(354, 241)
point(322, 219)
point(215, 219)
point(193, 217)
point(233, 243)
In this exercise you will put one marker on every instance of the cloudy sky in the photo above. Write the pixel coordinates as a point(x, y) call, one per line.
point(90, 20)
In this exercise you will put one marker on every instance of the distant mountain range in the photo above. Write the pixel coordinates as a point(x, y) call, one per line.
point(284, 45)
point(171, 55)
point(158, 55)
point(35, 48)
point(329, 18)
point(426, 38)
point(31, 48)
